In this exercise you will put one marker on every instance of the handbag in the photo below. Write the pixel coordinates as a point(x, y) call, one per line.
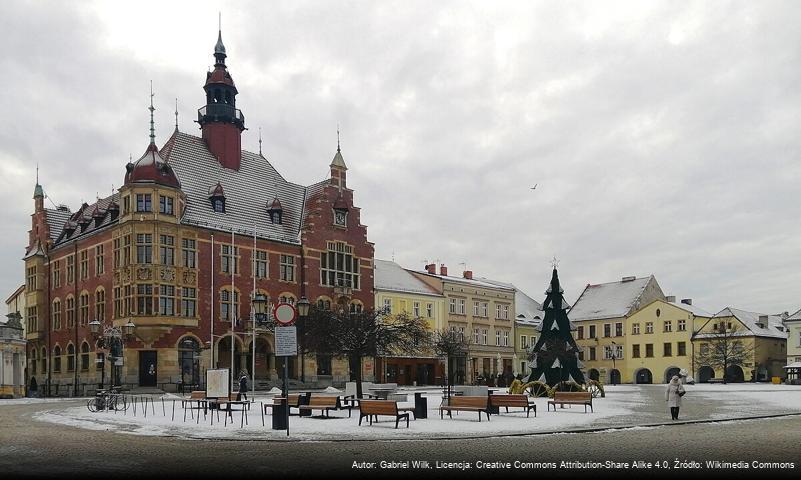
point(681, 392)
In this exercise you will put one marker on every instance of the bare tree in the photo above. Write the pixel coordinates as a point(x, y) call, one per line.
point(723, 347)
point(368, 333)
point(451, 345)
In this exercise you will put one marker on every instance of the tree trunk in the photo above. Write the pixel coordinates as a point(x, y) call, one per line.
point(356, 371)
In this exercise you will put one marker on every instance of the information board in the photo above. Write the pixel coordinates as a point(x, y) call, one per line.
point(217, 383)
point(286, 341)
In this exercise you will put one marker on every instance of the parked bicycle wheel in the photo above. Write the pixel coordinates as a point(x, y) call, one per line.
point(120, 403)
point(92, 405)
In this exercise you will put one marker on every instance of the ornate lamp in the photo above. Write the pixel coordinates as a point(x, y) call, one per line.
point(94, 327)
point(129, 329)
point(303, 307)
point(259, 305)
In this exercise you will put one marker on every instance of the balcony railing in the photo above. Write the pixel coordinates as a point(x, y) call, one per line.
point(220, 111)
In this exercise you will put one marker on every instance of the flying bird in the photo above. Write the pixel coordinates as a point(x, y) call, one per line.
point(535, 186)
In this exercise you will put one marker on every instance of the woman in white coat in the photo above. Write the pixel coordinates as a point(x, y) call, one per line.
point(673, 395)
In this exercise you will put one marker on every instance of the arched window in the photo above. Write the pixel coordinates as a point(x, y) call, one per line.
point(100, 304)
point(84, 299)
point(356, 307)
point(57, 314)
point(323, 303)
point(57, 359)
point(84, 356)
point(287, 298)
point(188, 360)
point(70, 357)
point(70, 311)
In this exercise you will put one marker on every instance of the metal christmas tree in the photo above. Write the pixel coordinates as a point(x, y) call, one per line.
point(554, 358)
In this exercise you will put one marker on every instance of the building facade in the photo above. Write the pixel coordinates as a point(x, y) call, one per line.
point(793, 324)
point(483, 310)
point(197, 228)
point(399, 292)
point(528, 318)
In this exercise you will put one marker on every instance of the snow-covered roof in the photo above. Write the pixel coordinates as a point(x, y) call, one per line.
point(774, 329)
point(475, 281)
point(526, 308)
point(612, 300)
point(794, 317)
point(697, 311)
point(390, 276)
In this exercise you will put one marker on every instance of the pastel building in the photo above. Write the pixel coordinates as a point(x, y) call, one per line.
point(527, 330)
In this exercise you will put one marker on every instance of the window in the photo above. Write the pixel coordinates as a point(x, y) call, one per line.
point(477, 336)
point(188, 253)
point(388, 305)
point(225, 304)
point(667, 348)
point(70, 358)
point(70, 269)
point(143, 202)
point(84, 264)
point(229, 257)
point(580, 332)
point(44, 360)
point(484, 309)
point(704, 349)
point(32, 358)
point(430, 310)
point(484, 335)
point(619, 352)
point(668, 326)
point(188, 301)
point(497, 338)
point(100, 305)
point(460, 304)
point(618, 329)
point(56, 274)
point(218, 205)
point(475, 309)
point(84, 356)
point(323, 304)
point(117, 302)
point(57, 359)
point(592, 331)
point(144, 299)
point(681, 349)
point(33, 321)
point(129, 300)
point(165, 205)
point(592, 353)
point(167, 250)
point(260, 266)
point(126, 249)
point(144, 248)
point(323, 364)
point(607, 352)
point(635, 328)
point(56, 314)
point(523, 341)
point(99, 258)
point(682, 326)
point(452, 306)
point(166, 300)
point(338, 266)
point(416, 309)
point(115, 247)
point(649, 327)
point(84, 299)
point(70, 307)
point(356, 307)
point(126, 204)
point(31, 283)
point(635, 351)
point(649, 350)
point(287, 268)
point(505, 338)
point(607, 329)
point(502, 312)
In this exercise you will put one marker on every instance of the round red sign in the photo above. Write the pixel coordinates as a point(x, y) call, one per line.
point(284, 313)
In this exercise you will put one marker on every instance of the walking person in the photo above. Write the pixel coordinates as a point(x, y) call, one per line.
point(673, 395)
point(243, 387)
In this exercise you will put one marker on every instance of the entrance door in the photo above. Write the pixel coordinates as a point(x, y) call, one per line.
point(148, 362)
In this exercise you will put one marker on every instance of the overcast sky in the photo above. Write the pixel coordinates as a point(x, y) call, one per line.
point(663, 136)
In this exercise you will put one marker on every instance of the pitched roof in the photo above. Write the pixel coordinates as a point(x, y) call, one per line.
point(794, 317)
point(611, 300)
point(16, 293)
point(697, 311)
point(526, 308)
point(392, 277)
point(774, 329)
point(85, 212)
point(247, 191)
point(475, 281)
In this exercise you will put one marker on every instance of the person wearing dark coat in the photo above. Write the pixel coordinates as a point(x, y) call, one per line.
point(243, 388)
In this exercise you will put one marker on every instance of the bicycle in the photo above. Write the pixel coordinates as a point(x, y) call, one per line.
point(107, 401)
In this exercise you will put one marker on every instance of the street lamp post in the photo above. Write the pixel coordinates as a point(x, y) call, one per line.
point(112, 338)
point(303, 307)
point(259, 317)
point(614, 356)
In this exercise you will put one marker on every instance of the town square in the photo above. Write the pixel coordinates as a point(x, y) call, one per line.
point(400, 238)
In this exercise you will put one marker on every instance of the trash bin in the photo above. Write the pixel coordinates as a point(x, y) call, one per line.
point(420, 406)
point(279, 416)
point(304, 400)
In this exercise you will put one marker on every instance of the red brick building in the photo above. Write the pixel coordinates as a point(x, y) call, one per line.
point(178, 250)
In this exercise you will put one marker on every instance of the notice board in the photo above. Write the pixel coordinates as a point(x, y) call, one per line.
point(217, 383)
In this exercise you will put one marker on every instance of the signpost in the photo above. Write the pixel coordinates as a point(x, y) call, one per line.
point(286, 344)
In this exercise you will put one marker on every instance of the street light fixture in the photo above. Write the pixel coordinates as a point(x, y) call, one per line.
point(614, 356)
point(112, 338)
point(259, 306)
point(303, 307)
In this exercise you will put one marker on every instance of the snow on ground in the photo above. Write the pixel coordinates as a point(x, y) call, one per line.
point(625, 406)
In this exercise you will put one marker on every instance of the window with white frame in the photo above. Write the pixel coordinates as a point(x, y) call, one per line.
point(287, 268)
point(260, 259)
point(387, 305)
point(484, 334)
point(649, 327)
point(452, 305)
point(430, 310)
point(523, 341)
point(476, 336)
point(484, 309)
point(682, 325)
point(461, 305)
point(497, 338)
point(475, 309)
point(505, 338)
point(338, 266)
point(416, 309)
point(619, 352)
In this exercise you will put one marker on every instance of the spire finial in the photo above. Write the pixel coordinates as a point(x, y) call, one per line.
point(176, 113)
point(337, 137)
point(152, 108)
point(37, 173)
point(219, 22)
point(554, 262)
point(260, 142)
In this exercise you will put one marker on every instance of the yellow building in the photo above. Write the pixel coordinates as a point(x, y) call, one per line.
point(600, 315)
point(397, 291)
point(658, 340)
point(527, 322)
point(793, 324)
point(764, 337)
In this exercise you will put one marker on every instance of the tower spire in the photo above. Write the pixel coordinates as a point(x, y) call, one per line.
point(152, 125)
point(260, 143)
point(176, 114)
point(338, 137)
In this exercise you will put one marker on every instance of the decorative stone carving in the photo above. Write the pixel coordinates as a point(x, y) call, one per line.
point(167, 275)
point(144, 273)
point(189, 277)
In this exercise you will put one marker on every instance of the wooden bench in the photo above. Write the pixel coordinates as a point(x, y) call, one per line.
point(507, 401)
point(469, 404)
point(373, 408)
point(325, 403)
point(571, 398)
point(196, 401)
point(293, 402)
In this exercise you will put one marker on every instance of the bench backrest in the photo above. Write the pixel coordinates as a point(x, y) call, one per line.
point(378, 407)
point(197, 395)
point(323, 401)
point(474, 402)
point(509, 400)
point(572, 396)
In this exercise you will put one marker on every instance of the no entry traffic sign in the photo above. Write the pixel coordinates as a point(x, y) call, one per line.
point(284, 314)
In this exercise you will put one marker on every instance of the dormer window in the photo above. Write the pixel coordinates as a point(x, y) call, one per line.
point(275, 211)
point(218, 204)
point(275, 217)
point(217, 198)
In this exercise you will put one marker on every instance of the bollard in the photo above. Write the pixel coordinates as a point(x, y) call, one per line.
point(173, 411)
point(162, 407)
point(262, 413)
point(133, 401)
point(144, 399)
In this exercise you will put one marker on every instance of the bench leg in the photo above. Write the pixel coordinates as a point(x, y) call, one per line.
point(360, 419)
point(397, 419)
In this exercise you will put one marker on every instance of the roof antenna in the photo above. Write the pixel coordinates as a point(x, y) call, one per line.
point(260, 143)
point(219, 21)
point(37, 173)
point(151, 108)
point(337, 137)
point(176, 114)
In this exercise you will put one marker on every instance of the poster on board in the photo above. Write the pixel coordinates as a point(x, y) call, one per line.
point(217, 383)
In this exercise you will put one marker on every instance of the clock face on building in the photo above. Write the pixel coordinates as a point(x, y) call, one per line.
point(339, 218)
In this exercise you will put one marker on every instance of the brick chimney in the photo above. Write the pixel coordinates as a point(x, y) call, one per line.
point(431, 268)
point(468, 274)
point(670, 298)
point(443, 270)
